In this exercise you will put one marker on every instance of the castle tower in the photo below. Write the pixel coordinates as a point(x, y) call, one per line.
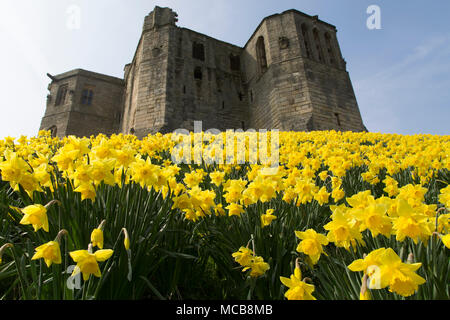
point(179, 76)
point(83, 103)
point(146, 76)
point(297, 77)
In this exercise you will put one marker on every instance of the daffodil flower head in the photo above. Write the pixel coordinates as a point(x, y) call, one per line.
point(50, 252)
point(36, 215)
point(266, 219)
point(97, 236)
point(87, 262)
point(243, 256)
point(311, 244)
point(298, 289)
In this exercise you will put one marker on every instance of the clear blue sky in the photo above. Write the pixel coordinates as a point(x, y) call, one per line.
point(401, 73)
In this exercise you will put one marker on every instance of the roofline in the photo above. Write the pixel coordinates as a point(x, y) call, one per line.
point(285, 12)
point(212, 38)
point(86, 73)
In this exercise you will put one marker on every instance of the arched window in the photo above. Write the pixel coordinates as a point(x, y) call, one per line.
point(261, 54)
point(330, 49)
point(306, 40)
point(318, 45)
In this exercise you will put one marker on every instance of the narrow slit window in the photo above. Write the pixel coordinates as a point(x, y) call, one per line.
point(261, 54)
point(330, 49)
point(306, 40)
point(338, 119)
point(318, 45)
point(61, 95)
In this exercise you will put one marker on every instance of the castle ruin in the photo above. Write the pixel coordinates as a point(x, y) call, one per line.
point(290, 75)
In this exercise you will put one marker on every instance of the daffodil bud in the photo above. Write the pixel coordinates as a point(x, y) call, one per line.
point(410, 258)
point(364, 293)
point(97, 235)
point(126, 241)
point(3, 248)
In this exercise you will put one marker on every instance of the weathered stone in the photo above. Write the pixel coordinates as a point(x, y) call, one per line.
point(290, 75)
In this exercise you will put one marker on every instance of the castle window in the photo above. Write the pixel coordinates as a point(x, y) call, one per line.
point(235, 63)
point(86, 97)
point(243, 125)
point(261, 54)
point(241, 96)
point(330, 48)
point(318, 46)
point(338, 119)
point(198, 75)
point(306, 40)
point(184, 89)
point(61, 95)
point(198, 51)
point(223, 104)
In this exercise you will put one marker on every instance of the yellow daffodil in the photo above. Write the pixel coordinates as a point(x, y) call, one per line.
point(311, 244)
point(87, 262)
point(36, 215)
point(50, 252)
point(235, 209)
point(298, 289)
point(266, 219)
point(243, 256)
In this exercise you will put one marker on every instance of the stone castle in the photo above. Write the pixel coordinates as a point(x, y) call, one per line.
point(290, 75)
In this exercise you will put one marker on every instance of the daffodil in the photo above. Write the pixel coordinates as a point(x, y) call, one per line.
point(243, 256)
point(87, 262)
point(50, 252)
point(385, 268)
point(311, 244)
point(235, 209)
point(257, 267)
point(36, 215)
point(266, 219)
point(298, 289)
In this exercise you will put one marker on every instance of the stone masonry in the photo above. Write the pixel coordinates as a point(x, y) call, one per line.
point(290, 76)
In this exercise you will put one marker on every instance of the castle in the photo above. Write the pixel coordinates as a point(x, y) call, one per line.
point(290, 75)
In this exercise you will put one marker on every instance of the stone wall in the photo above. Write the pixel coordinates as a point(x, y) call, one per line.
point(290, 75)
point(72, 117)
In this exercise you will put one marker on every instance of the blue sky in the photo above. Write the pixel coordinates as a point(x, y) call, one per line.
point(400, 73)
